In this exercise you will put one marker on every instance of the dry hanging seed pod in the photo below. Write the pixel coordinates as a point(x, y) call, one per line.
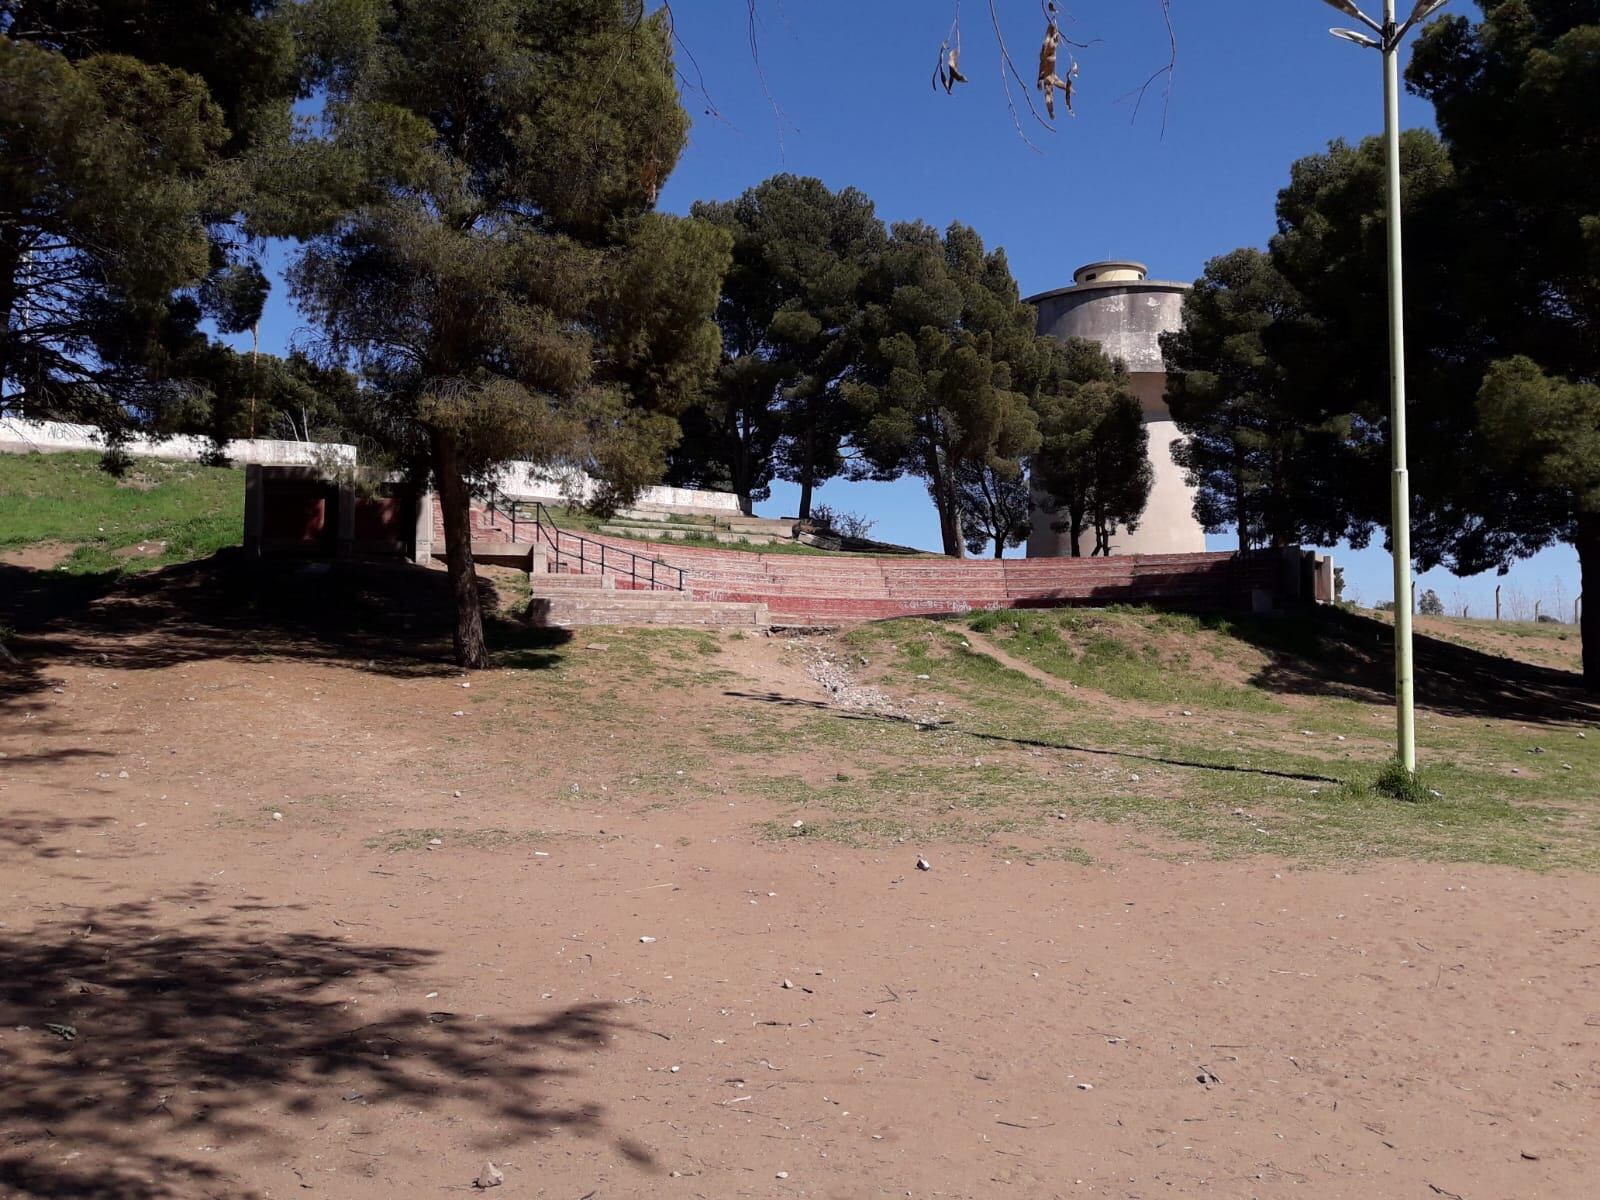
point(1049, 74)
point(947, 69)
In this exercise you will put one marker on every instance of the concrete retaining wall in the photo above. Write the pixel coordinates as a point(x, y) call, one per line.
point(525, 481)
point(19, 436)
point(519, 480)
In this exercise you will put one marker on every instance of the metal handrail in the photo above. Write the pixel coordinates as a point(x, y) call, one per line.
point(661, 576)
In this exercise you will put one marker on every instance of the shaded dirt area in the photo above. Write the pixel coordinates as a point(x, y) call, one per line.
point(276, 921)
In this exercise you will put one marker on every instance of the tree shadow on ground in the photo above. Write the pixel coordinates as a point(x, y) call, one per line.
point(948, 726)
point(1339, 654)
point(382, 616)
point(35, 832)
point(145, 1042)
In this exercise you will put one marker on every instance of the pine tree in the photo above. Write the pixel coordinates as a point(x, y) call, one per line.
point(947, 350)
point(130, 135)
point(1255, 451)
point(1515, 95)
point(996, 505)
point(507, 292)
point(775, 408)
point(1092, 467)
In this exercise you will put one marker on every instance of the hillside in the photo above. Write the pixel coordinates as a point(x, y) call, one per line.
point(640, 912)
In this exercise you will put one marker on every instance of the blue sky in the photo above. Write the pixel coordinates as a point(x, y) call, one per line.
point(843, 94)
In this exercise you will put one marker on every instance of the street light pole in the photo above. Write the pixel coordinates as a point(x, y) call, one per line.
point(1389, 36)
point(1400, 481)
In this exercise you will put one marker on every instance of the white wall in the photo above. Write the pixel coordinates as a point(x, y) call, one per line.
point(19, 436)
point(524, 481)
point(520, 480)
point(1168, 525)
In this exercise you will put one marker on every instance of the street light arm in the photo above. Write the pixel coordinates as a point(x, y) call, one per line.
point(1419, 14)
point(1360, 39)
point(1348, 8)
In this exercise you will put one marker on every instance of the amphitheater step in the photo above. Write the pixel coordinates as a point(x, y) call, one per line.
point(677, 532)
point(670, 609)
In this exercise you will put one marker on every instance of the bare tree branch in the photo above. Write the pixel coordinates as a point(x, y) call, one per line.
point(1169, 70)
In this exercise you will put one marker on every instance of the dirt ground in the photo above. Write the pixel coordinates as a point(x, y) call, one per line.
point(276, 927)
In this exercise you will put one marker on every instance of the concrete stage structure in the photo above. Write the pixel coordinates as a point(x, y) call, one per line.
point(1116, 305)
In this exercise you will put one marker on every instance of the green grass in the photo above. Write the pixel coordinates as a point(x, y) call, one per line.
point(1114, 651)
point(192, 510)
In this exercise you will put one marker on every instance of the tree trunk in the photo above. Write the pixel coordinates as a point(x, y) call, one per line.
point(10, 265)
point(1075, 530)
point(808, 471)
point(455, 504)
point(943, 492)
point(999, 548)
point(950, 530)
point(1588, 547)
point(740, 469)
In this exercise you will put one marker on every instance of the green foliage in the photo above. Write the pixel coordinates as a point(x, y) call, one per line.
point(1548, 427)
point(1258, 459)
point(133, 134)
point(1093, 458)
point(775, 408)
point(948, 350)
point(1429, 604)
point(1398, 783)
point(1515, 98)
point(996, 505)
point(503, 287)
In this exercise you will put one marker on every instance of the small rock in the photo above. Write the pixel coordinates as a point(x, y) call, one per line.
point(597, 646)
point(1436, 793)
point(1187, 713)
point(1086, 1087)
point(277, 816)
point(456, 794)
point(787, 984)
point(674, 1069)
point(435, 841)
point(1535, 749)
point(466, 685)
point(1516, 770)
point(122, 774)
point(1338, 737)
point(459, 713)
point(352, 1095)
point(1133, 779)
point(782, 1175)
point(1531, 1157)
point(1566, 766)
point(1307, 733)
point(1239, 812)
point(798, 825)
point(921, 676)
point(924, 865)
point(1582, 734)
point(647, 940)
point(490, 1176)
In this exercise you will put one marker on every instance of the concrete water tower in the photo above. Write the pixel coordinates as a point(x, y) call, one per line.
point(1116, 305)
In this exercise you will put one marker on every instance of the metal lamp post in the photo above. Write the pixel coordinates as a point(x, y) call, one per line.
point(1387, 41)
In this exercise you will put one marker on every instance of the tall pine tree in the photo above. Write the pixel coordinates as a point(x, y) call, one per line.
point(947, 352)
point(508, 292)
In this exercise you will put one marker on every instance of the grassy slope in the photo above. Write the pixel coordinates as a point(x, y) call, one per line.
point(1234, 735)
point(66, 498)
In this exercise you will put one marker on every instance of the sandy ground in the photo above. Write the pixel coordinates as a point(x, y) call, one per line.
point(198, 999)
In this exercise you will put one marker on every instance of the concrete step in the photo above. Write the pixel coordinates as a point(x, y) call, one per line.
point(494, 554)
point(671, 609)
point(678, 532)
